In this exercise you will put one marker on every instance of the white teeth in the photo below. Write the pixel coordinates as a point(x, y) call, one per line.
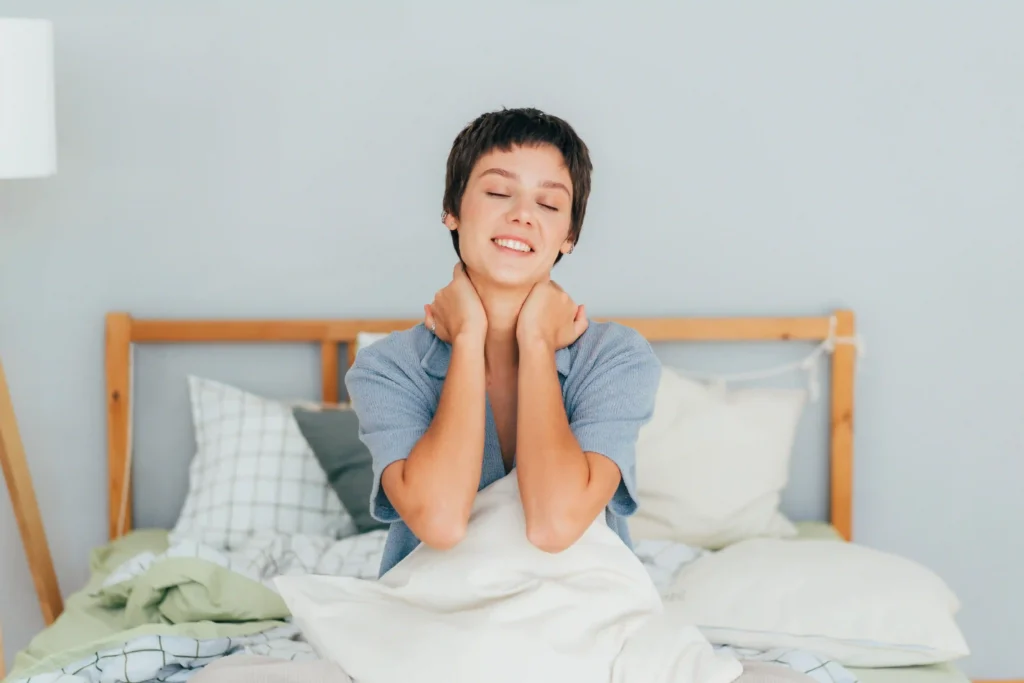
point(513, 244)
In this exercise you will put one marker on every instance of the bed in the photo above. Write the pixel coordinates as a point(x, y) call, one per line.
point(152, 605)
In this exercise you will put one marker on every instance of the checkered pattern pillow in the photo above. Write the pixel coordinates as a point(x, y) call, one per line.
point(252, 472)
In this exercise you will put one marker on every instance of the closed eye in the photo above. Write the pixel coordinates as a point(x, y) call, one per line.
point(505, 196)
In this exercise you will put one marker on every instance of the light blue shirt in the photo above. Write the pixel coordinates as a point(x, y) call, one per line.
point(609, 378)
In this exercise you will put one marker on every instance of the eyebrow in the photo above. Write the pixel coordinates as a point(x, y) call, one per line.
point(552, 184)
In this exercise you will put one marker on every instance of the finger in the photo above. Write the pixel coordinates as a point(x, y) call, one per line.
point(580, 323)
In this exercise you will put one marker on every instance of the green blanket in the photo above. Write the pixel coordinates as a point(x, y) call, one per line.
point(183, 596)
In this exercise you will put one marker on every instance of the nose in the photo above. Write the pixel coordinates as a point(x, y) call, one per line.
point(522, 212)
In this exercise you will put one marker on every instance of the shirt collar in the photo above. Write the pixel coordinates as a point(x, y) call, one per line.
point(439, 355)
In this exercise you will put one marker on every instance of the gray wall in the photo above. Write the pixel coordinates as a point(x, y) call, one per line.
point(245, 159)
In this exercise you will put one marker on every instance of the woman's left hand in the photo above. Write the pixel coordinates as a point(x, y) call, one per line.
point(434, 323)
point(550, 316)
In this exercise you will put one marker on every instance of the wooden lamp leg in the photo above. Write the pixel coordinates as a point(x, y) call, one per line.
point(26, 509)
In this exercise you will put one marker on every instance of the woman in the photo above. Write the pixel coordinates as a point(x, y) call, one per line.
point(506, 374)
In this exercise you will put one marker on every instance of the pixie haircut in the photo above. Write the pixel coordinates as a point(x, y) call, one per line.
point(510, 128)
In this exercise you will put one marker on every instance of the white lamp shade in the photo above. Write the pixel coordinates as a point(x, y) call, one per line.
point(28, 137)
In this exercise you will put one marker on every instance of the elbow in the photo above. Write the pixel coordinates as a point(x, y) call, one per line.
point(440, 531)
point(549, 536)
point(436, 521)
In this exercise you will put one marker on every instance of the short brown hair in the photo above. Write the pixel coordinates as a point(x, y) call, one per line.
point(509, 128)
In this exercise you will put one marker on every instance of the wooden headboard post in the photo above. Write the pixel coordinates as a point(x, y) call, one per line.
point(841, 425)
point(119, 367)
point(123, 331)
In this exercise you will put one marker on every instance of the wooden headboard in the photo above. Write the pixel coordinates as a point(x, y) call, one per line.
point(122, 331)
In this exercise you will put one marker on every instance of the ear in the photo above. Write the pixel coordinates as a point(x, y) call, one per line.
point(449, 221)
point(567, 246)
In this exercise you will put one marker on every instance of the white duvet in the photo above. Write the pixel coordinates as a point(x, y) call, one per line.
point(497, 609)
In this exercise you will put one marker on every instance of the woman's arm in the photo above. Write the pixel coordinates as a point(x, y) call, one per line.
point(426, 462)
point(434, 488)
point(563, 488)
point(571, 466)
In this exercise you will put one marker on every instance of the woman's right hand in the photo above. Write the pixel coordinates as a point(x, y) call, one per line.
point(456, 309)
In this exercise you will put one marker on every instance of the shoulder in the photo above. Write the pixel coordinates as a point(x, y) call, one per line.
point(613, 356)
point(607, 344)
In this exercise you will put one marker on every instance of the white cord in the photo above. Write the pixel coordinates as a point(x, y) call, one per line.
point(808, 363)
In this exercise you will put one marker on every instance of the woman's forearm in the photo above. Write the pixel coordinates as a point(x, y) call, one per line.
point(562, 487)
point(434, 488)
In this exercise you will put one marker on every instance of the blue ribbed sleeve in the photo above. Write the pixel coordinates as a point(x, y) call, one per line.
point(612, 400)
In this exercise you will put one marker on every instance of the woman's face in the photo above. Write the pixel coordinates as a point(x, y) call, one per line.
point(515, 215)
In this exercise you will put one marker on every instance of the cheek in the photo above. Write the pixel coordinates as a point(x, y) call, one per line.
point(558, 230)
point(472, 212)
point(470, 232)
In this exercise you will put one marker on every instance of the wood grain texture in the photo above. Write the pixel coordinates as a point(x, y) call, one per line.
point(118, 373)
point(26, 509)
point(330, 378)
point(345, 330)
point(169, 331)
point(123, 331)
point(841, 426)
point(727, 329)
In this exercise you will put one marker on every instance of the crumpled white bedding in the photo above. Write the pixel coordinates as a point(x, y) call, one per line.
point(495, 608)
point(265, 557)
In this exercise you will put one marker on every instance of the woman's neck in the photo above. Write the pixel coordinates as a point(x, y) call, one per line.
point(502, 306)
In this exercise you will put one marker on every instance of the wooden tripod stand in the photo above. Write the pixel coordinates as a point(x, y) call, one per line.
point(26, 512)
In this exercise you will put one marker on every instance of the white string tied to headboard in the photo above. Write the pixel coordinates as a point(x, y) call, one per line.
point(808, 364)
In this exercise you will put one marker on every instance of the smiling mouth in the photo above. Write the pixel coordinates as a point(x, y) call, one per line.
point(513, 245)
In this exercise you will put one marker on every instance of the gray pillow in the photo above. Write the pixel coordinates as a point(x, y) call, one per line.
point(333, 434)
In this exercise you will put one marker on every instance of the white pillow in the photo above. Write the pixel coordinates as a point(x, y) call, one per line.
point(712, 464)
point(252, 472)
point(495, 608)
point(860, 606)
point(364, 339)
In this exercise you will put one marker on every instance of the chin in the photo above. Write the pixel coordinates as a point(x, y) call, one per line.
point(518, 282)
point(507, 275)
